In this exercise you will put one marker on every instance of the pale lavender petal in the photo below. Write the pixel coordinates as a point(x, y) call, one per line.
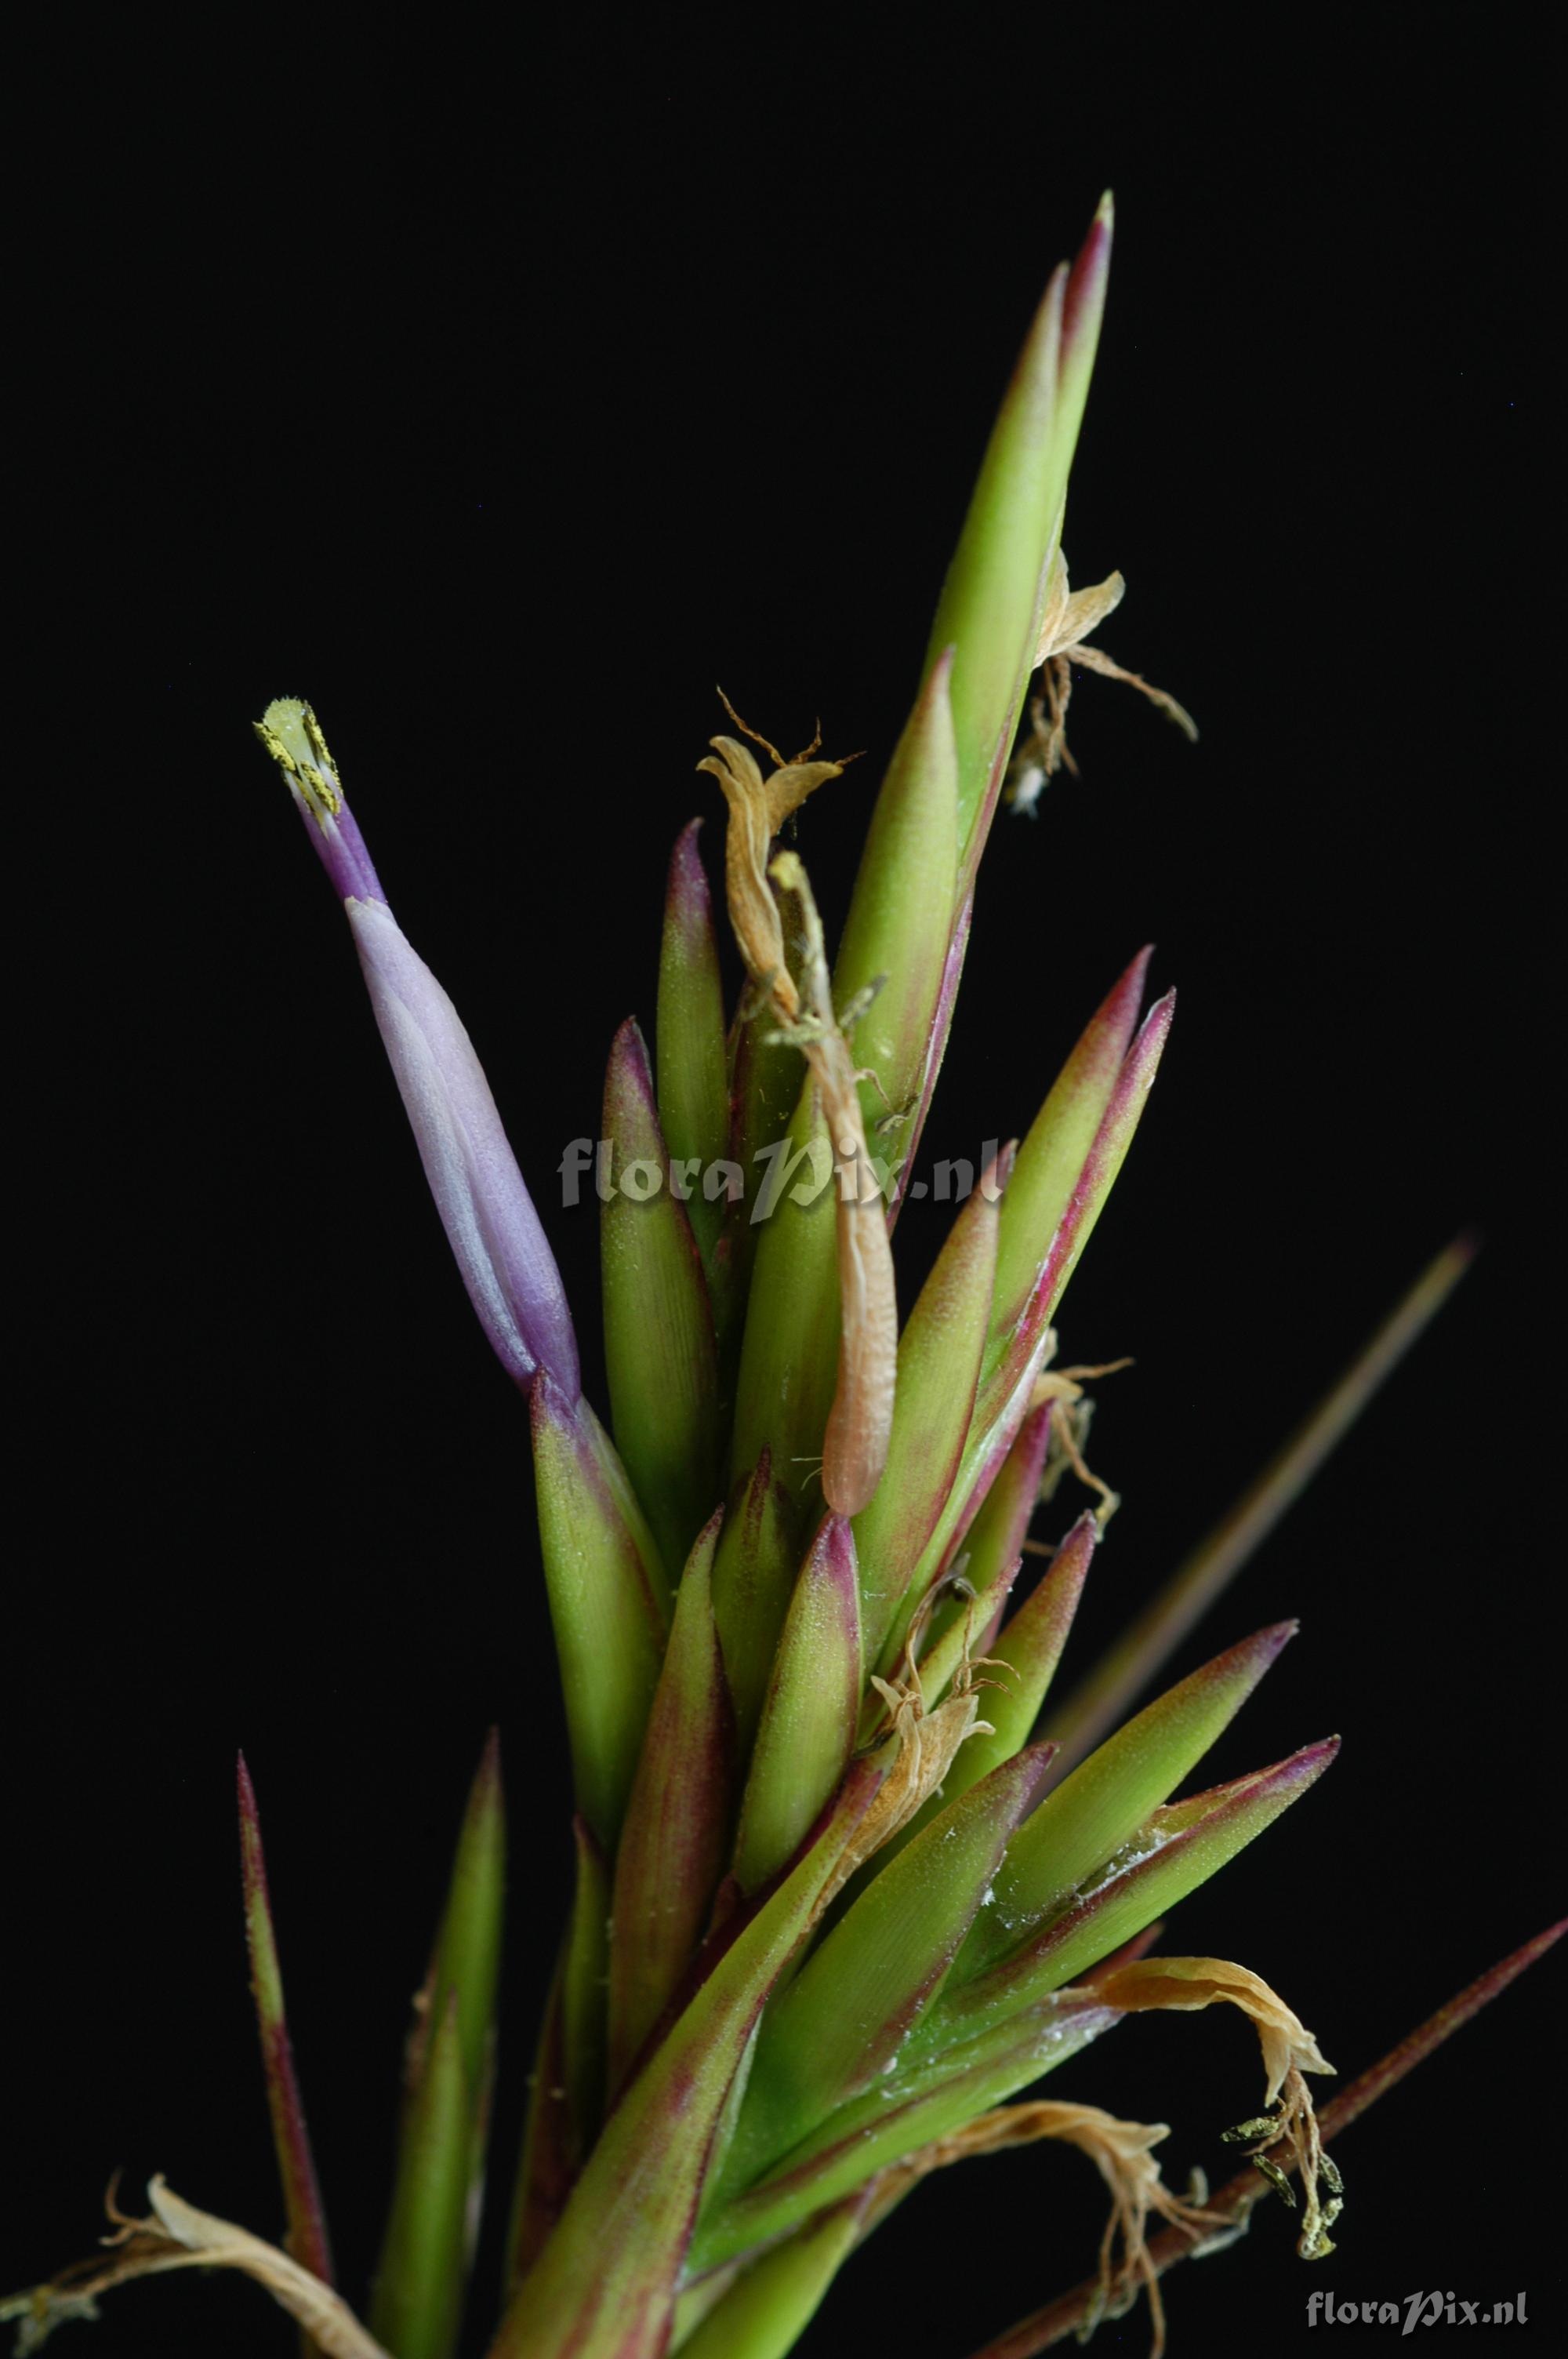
point(485, 1209)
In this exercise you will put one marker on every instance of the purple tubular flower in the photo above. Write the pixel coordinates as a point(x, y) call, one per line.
point(485, 1209)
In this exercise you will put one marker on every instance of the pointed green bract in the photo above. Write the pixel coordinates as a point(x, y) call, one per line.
point(606, 1598)
point(1083, 308)
point(1051, 1159)
point(1025, 1654)
point(305, 2235)
point(939, 1356)
point(994, 593)
point(1106, 1799)
point(1178, 1849)
point(689, 1038)
point(451, 2070)
point(764, 1081)
point(842, 2020)
point(566, 2090)
point(659, 1345)
point(808, 1729)
point(676, 1831)
point(1013, 1353)
point(416, 2308)
point(605, 2284)
point(1017, 1353)
point(789, 1354)
point(996, 1537)
point(990, 601)
point(754, 1575)
point(902, 913)
point(958, 1634)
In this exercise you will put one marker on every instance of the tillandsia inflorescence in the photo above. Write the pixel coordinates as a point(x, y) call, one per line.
point(840, 1901)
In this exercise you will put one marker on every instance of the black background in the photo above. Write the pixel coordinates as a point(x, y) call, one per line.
point(502, 403)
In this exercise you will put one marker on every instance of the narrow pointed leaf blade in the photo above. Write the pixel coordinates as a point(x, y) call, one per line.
point(416, 2308)
point(565, 2095)
point(658, 1328)
point(605, 2284)
point(688, 1042)
point(606, 1599)
point(305, 2236)
point(1086, 1819)
point(808, 1729)
point(467, 1960)
point(673, 1843)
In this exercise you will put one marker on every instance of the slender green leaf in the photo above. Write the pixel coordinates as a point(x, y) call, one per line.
point(416, 2307)
point(444, 2129)
point(468, 1947)
point(566, 2087)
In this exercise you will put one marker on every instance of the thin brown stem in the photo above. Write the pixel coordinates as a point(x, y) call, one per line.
point(1100, 1703)
point(1234, 2202)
